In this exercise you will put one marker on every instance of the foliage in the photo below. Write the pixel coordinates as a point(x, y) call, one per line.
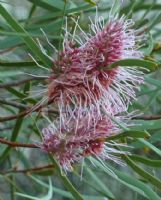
point(29, 173)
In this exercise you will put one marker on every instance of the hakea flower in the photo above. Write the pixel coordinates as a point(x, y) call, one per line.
point(86, 80)
point(76, 138)
point(87, 89)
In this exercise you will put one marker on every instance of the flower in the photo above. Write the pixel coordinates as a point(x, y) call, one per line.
point(86, 79)
point(87, 91)
point(78, 138)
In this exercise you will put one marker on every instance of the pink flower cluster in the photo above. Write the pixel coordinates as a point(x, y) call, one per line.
point(77, 138)
point(87, 89)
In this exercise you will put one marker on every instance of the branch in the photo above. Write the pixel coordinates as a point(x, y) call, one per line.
point(36, 169)
point(8, 118)
point(17, 144)
point(24, 113)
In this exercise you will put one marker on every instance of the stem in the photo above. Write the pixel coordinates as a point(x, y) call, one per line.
point(17, 144)
point(26, 112)
point(32, 170)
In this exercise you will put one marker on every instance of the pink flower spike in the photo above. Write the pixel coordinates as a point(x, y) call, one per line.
point(86, 89)
point(83, 82)
point(78, 138)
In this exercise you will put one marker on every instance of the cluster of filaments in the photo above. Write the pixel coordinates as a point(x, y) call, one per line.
point(88, 93)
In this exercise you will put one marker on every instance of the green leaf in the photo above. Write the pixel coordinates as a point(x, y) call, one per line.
point(5, 74)
point(20, 95)
point(100, 184)
point(146, 161)
point(15, 132)
point(150, 46)
point(151, 146)
point(130, 133)
point(153, 180)
point(115, 8)
point(51, 16)
point(32, 10)
point(129, 181)
point(152, 81)
point(33, 34)
point(27, 39)
point(148, 125)
point(91, 2)
point(19, 64)
point(149, 65)
point(65, 180)
point(47, 197)
point(51, 5)
point(64, 193)
point(154, 21)
point(9, 42)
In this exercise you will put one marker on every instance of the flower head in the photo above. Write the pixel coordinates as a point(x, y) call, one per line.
point(86, 79)
point(78, 138)
point(87, 89)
